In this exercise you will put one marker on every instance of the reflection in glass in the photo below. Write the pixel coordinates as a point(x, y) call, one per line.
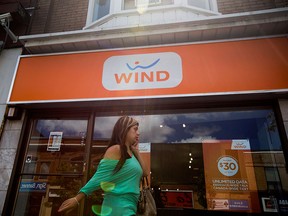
point(259, 126)
point(68, 157)
point(41, 191)
point(177, 155)
point(44, 197)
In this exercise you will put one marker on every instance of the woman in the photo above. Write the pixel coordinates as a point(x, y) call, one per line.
point(118, 173)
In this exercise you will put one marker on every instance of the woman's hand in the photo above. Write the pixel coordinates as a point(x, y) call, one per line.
point(68, 205)
point(135, 148)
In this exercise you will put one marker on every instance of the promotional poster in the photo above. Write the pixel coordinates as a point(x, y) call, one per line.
point(229, 176)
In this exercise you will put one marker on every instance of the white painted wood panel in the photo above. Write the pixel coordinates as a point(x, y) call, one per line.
point(169, 16)
point(121, 20)
point(133, 20)
point(145, 19)
point(157, 18)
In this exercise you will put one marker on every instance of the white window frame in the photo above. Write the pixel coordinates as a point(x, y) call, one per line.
point(115, 6)
point(211, 5)
point(150, 2)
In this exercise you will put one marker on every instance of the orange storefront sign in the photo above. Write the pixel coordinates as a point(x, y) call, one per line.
point(167, 71)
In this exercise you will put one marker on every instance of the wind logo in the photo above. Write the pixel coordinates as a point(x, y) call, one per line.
point(142, 67)
point(240, 144)
point(143, 71)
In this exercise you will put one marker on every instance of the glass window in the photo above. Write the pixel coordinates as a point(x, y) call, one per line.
point(58, 143)
point(133, 4)
point(44, 196)
point(205, 4)
point(101, 136)
point(53, 166)
point(101, 9)
point(44, 169)
point(145, 2)
point(224, 160)
point(273, 180)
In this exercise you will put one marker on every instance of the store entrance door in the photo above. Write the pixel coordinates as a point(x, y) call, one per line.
point(54, 166)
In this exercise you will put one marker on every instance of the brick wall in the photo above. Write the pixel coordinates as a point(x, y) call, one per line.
point(237, 6)
point(39, 19)
point(68, 15)
point(59, 16)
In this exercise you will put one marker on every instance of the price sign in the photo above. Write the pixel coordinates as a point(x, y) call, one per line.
point(228, 166)
point(229, 178)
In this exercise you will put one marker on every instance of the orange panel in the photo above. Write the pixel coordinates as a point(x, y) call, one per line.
point(248, 65)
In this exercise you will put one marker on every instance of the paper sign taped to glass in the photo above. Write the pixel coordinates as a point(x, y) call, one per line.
point(54, 141)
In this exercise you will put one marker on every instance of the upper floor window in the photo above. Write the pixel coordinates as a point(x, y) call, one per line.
point(147, 2)
point(133, 4)
point(204, 4)
point(101, 9)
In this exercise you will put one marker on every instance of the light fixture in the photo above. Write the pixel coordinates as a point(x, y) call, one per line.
point(5, 22)
point(14, 113)
point(161, 126)
point(28, 159)
point(184, 125)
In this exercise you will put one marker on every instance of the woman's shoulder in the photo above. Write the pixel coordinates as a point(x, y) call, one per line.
point(113, 152)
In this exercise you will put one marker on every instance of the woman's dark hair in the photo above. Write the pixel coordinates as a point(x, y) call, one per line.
point(119, 134)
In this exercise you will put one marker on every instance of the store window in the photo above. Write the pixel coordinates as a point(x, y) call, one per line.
point(208, 160)
point(53, 165)
point(273, 180)
point(226, 160)
point(44, 169)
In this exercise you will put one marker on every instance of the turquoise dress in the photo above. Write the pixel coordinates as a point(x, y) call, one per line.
point(121, 189)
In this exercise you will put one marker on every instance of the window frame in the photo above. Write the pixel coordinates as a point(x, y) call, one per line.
point(118, 7)
point(150, 2)
point(211, 5)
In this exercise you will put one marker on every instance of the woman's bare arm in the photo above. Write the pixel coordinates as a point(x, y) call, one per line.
point(71, 203)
